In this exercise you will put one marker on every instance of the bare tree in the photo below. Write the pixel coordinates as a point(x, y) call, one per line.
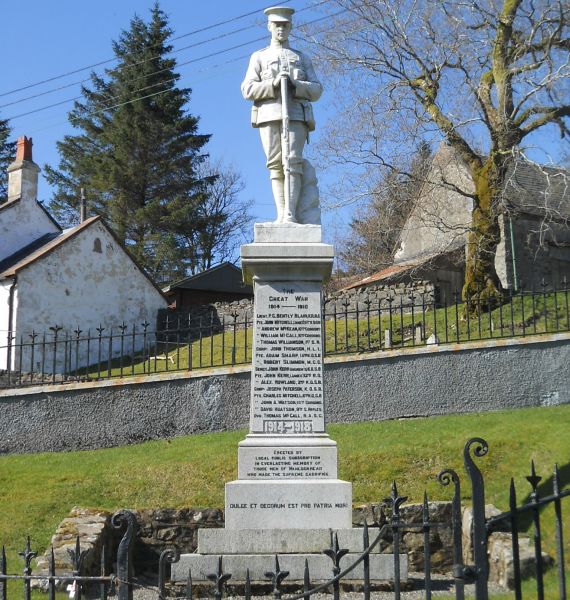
point(485, 75)
point(375, 230)
point(227, 218)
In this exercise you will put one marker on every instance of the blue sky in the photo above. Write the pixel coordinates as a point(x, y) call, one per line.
point(41, 40)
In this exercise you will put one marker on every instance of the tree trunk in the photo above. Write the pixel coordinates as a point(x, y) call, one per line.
point(482, 286)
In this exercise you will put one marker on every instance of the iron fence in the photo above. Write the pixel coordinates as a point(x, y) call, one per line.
point(464, 572)
point(185, 342)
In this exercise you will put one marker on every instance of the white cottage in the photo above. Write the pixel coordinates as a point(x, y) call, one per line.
point(78, 279)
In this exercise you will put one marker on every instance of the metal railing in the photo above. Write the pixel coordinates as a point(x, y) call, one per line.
point(185, 343)
point(391, 532)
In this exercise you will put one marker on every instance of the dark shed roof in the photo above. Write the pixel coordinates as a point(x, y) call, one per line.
point(224, 277)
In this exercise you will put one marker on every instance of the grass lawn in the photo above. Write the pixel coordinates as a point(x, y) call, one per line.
point(37, 491)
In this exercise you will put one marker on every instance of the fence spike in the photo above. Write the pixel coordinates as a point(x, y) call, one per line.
point(533, 478)
point(559, 534)
point(189, 590)
point(515, 540)
point(306, 581)
point(247, 589)
point(480, 449)
point(366, 561)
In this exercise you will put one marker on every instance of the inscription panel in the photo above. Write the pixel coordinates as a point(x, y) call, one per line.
point(287, 463)
point(287, 381)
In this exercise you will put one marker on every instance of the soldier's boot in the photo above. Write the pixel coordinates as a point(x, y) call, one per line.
point(277, 185)
point(296, 181)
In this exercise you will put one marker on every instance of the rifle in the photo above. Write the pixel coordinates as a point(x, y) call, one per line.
point(285, 136)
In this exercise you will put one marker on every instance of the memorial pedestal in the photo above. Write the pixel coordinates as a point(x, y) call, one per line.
point(287, 493)
point(287, 465)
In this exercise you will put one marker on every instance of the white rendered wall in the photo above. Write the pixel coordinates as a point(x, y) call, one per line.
point(21, 224)
point(4, 319)
point(87, 282)
point(441, 217)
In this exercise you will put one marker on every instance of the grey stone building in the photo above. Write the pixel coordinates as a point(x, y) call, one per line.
point(534, 221)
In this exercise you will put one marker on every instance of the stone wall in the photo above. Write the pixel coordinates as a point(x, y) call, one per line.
point(203, 314)
point(430, 380)
point(383, 295)
point(373, 296)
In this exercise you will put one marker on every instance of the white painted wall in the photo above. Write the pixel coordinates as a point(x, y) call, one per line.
point(4, 319)
point(21, 224)
point(441, 217)
point(77, 285)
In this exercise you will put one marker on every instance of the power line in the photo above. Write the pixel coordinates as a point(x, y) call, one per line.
point(194, 45)
point(191, 61)
point(109, 60)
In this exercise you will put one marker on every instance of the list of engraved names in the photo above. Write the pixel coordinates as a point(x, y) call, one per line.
point(287, 382)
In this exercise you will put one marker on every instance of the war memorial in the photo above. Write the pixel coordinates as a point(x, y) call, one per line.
point(287, 499)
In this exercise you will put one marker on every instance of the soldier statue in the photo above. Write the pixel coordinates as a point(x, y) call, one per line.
point(282, 83)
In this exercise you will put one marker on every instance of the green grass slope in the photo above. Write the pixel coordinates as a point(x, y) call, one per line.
point(37, 491)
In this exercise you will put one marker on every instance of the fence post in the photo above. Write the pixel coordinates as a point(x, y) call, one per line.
point(446, 477)
point(124, 564)
point(479, 524)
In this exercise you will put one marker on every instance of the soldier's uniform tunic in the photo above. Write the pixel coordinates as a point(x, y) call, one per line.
point(264, 66)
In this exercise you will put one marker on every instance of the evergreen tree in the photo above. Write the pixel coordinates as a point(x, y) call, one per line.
point(137, 151)
point(6, 157)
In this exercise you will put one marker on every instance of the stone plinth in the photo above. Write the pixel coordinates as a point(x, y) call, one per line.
point(287, 465)
point(287, 499)
point(255, 549)
point(312, 504)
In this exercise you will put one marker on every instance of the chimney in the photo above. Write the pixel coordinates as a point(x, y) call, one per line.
point(23, 173)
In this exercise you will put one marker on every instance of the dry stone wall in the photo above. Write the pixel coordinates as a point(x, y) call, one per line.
point(379, 295)
point(349, 301)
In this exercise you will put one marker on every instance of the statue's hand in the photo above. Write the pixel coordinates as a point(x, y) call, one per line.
point(279, 77)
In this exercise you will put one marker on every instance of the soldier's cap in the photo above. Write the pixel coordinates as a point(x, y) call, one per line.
point(276, 14)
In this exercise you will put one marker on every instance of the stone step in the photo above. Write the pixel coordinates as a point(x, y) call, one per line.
point(280, 541)
point(320, 566)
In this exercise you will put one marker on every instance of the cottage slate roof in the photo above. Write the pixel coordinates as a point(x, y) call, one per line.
point(538, 190)
point(396, 269)
point(38, 249)
point(10, 266)
point(26, 251)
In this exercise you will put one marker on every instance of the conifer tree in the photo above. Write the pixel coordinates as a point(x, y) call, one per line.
point(6, 157)
point(137, 150)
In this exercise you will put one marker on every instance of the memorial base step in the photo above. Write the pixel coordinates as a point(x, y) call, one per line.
point(320, 566)
point(291, 504)
point(281, 541)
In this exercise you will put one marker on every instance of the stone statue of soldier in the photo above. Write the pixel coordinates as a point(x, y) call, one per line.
point(290, 174)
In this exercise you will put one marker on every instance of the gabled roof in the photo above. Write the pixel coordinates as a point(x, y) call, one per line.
point(11, 265)
point(387, 273)
point(27, 251)
point(398, 270)
point(36, 250)
point(225, 277)
point(538, 190)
